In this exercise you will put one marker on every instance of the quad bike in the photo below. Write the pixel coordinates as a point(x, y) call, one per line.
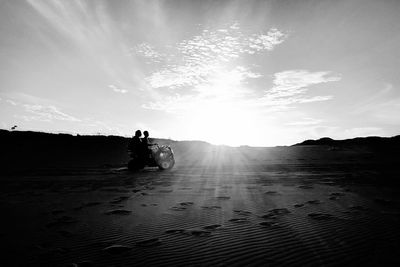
point(158, 156)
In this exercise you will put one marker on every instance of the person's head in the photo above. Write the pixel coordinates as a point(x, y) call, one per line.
point(146, 133)
point(138, 133)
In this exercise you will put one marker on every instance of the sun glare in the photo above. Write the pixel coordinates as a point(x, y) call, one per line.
point(221, 124)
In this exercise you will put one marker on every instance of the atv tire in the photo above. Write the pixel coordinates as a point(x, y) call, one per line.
point(166, 164)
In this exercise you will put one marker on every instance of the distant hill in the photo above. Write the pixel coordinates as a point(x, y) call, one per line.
point(360, 141)
point(35, 150)
point(27, 152)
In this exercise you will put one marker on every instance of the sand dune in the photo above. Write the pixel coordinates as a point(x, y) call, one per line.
point(236, 223)
point(331, 208)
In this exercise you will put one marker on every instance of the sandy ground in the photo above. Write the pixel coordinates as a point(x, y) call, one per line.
point(251, 215)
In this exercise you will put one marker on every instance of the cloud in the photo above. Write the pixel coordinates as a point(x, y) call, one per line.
point(227, 89)
point(147, 51)
point(118, 90)
point(222, 87)
point(98, 38)
point(204, 70)
point(191, 61)
point(11, 102)
point(47, 113)
point(291, 87)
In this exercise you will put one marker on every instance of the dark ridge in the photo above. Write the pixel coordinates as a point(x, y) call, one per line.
point(28, 150)
point(358, 141)
point(35, 153)
point(37, 150)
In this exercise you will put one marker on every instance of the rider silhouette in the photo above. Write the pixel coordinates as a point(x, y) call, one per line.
point(146, 144)
point(135, 145)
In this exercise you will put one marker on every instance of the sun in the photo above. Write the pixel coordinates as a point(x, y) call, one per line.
point(222, 124)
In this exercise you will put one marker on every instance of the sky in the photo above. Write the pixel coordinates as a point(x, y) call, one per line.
point(258, 73)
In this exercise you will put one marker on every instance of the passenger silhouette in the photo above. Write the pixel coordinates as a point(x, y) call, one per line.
point(146, 144)
point(135, 145)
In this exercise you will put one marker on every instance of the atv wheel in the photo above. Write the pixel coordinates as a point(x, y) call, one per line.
point(167, 164)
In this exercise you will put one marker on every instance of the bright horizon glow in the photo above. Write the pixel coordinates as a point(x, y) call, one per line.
point(258, 73)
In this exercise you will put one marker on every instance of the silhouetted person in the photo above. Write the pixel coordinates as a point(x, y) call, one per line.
point(146, 144)
point(135, 145)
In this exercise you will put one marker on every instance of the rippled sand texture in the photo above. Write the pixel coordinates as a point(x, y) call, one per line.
point(212, 217)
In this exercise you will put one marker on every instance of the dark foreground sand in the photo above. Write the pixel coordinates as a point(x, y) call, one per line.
point(281, 213)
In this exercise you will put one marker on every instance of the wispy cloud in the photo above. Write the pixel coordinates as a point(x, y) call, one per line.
point(291, 86)
point(47, 113)
point(228, 88)
point(221, 88)
point(40, 112)
point(191, 61)
point(95, 34)
point(117, 90)
point(148, 51)
point(11, 102)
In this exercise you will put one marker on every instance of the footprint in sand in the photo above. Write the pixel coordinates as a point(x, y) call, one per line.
point(306, 187)
point(358, 208)
point(212, 227)
point(165, 191)
point(314, 202)
point(117, 249)
point(242, 212)
point(252, 187)
point(185, 204)
point(118, 200)
point(239, 220)
point(211, 207)
point(272, 214)
point(64, 220)
point(177, 208)
point(337, 194)
point(174, 231)
point(197, 232)
point(320, 216)
point(272, 193)
point(118, 212)
point(149, 187)
point(149, 242)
